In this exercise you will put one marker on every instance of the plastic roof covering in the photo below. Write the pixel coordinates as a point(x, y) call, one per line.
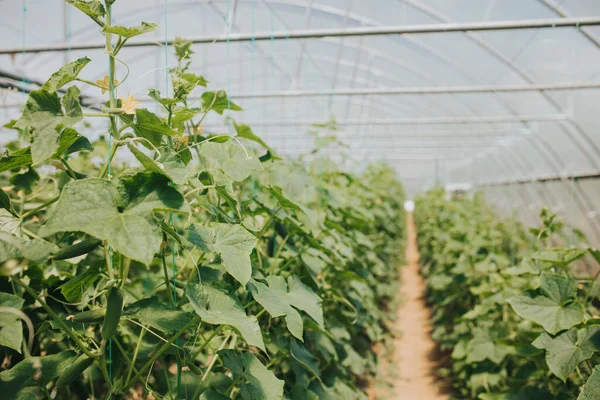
point(421, 153)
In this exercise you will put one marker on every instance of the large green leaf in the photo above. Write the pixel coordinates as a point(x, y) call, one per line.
point(70, 142)
point(258, 382)
point(34, 371)
point(217, 307)
point(591, 389)
point(168, 164)
point(74, 289)
point(153, 313)
point(150, 127)
point(11, 328)
point(232, 242)
point(559, 257)
point(16, 159)
point(232, 159)
point(66, 74)
point(483, 346)
point(245, 132)
point(44, 115)
point(14, 245)
point(553, 307)
point(129, 32)
point(280, 298)
point(305, 358)
point(565, 351)
point(218, 102)
point(93, 8)
point(119, 213)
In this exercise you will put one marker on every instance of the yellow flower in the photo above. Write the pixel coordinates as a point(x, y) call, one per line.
point(128, 105)
point(105, 83)
point(199, 130)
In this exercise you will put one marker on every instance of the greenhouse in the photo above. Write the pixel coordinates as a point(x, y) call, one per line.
point(300, 199)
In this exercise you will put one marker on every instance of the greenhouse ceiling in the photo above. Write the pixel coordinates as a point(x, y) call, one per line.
point(487, 92)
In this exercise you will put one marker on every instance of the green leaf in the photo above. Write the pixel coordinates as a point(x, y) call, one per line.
point(11, 328)
point(232, 242)
point(305, 358)
point(231, 159)
point(183, 49)
point(168, 164)
point(129, 32)
point(44, 116)
point(165, 101)
point(567, 350)
point(93, 8)
point(153, 313)
point(184, 83)
point(25, 181)
point(559, 257)
point(591, 389)
point(483, 346)
point(245, 132)
point(74, 289)
point(280, 298)
point(119, 213)
point(218, 102)
point(70, 142)
point(17, 159)
point(12, 245)
point(5, 203)
point(34, 371)
point(151, 127)
point(258, 382)
point(553, 308)
point(66, 74)
point(213, 395)
point(217, 307)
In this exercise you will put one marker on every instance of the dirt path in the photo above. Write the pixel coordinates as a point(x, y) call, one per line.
point(410, 371)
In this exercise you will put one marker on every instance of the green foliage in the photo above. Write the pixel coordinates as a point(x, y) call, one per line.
point(517, 321)
point(207, 269)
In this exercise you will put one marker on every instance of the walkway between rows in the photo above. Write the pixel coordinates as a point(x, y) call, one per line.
point(411, 367)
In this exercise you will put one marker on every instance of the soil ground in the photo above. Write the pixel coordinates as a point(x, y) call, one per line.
point(409, 373)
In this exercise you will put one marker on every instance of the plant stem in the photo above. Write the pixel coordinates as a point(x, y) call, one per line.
point(104, 169)
point(91, 83)
point(207, 341)
point(96, 115)
point(214, 359)
point(126, 357)
point(125, 270)
point(109, 267)
point(72, 173)
point(55, 317)
point(160, 352)
point(167, 283)
point(103, 367)
point(46, 204)
point(111, 75)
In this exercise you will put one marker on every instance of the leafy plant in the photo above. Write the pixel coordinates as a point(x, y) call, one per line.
point(211, 268)
point(514, 319)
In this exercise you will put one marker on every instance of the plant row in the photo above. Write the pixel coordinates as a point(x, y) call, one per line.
point(205, 267)
point(514, 315)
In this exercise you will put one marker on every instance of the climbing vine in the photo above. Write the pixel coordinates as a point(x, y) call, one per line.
point(516, 317)
point(162, 261)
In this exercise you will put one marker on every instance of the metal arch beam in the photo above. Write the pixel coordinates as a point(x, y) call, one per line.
point(562, 13)
point(420, 90)
point(484, 45)
point(495, 53)
point(349, 32)
point(423, 121)
point(359, 18)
